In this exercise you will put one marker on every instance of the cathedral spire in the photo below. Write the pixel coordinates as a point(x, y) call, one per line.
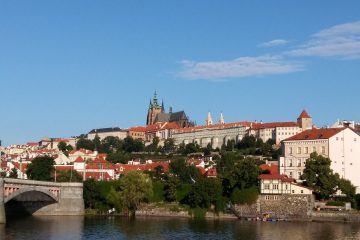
point(222, 121)
point(162, 106)
point(150, 104)
point(155, 100)
point(208, 120)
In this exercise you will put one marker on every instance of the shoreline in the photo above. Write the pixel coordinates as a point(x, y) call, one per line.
point(319, 218)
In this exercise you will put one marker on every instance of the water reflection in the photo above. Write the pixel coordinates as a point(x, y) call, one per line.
point(170, 228)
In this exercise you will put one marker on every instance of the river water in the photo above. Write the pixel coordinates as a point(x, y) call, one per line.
point(170, 228)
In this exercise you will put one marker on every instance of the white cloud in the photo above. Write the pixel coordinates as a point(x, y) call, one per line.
point(338, 41)
point(274, 43)
point(238, 68)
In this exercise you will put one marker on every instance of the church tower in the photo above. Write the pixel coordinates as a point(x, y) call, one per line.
point(154, 109)
point(208, 120)
point(305, 121)
point(221, 121)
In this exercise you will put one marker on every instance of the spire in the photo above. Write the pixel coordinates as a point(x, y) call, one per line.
point(155, 103)
point(162, 106)
point(222, 121)
point(170, 109)
point(150, 104)
point(208, 120)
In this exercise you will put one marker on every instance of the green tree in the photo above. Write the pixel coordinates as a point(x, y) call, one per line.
point(65, 148)
point(244, 196)
point(169, 145)
point(119, 157)
point(185, 173)
point(111, 144)
point(85, 143)
point(41, 168)
point(346, 187)
point(132, 145)
point(319, 176)
point(170, 189)
point(191, 148)
point(13, 173)
point(246, 173)
point(134, 188)
point(68, 176)
point(205, 192)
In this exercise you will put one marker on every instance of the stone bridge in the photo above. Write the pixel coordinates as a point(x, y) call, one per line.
point(18, 196)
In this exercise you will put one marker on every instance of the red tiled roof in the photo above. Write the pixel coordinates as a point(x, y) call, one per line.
point(79, 160)
point(63, 167)
point(160, 126)
point(31, 144)
point(273, 168)
point(304, 114)
point(82, 150)
point(99, 163)
point(315, 133)
point(274, 125)
point(23, 166)
point(281, 177)
point(137, 129)
point(211, 172)
point(98, 176)
point(124, 168)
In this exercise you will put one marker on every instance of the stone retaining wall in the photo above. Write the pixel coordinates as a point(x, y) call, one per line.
point(286, 205)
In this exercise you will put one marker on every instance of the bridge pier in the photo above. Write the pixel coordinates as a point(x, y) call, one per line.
point(2, 204)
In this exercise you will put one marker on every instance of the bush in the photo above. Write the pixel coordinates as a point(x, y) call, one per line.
point(198, 213)
point(335, 203)
point(245, 196)
point(158, 192)
point(182, 192)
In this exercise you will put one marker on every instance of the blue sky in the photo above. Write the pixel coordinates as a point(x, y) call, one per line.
point(69, 66)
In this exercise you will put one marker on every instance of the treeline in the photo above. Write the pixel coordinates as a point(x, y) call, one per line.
point(183, 184)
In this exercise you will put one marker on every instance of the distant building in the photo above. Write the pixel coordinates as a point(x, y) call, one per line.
point(216, 135)
point(279, 131)
point(341, 145)
point(281, 184)
point(157, 114)
point(107, 132)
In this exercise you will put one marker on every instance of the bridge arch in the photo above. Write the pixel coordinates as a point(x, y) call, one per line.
point(30, 190)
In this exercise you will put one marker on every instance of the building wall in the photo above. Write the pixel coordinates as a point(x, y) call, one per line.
point(215, 136)
point(344, 153)
point(120, 134)
point(295, 154)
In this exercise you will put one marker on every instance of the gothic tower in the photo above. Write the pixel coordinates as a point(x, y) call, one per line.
point(221, 121)
point(154, 109)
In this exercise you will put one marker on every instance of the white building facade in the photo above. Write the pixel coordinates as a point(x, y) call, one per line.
point(341, 145)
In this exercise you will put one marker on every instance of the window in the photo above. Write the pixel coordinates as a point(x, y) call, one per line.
point(314, 149)
point(275, 197)
point(291, 174)
point(323, 149)
point(299, 150)
point(299, 162)
point(267, 197)
point(302, 191)
point(306, 150)
point(293, 191)
point(290, 163)
point(275, 186)
point(290, 150)
point(267, 186)
point(299, 174)
point(354, 139)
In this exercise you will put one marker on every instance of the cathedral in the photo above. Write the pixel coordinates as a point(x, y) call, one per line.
point(157, 114)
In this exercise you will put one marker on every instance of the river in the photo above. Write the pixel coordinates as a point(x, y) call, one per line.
point(170, 228)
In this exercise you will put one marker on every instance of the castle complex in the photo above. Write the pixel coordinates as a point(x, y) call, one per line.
point(157, 114)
